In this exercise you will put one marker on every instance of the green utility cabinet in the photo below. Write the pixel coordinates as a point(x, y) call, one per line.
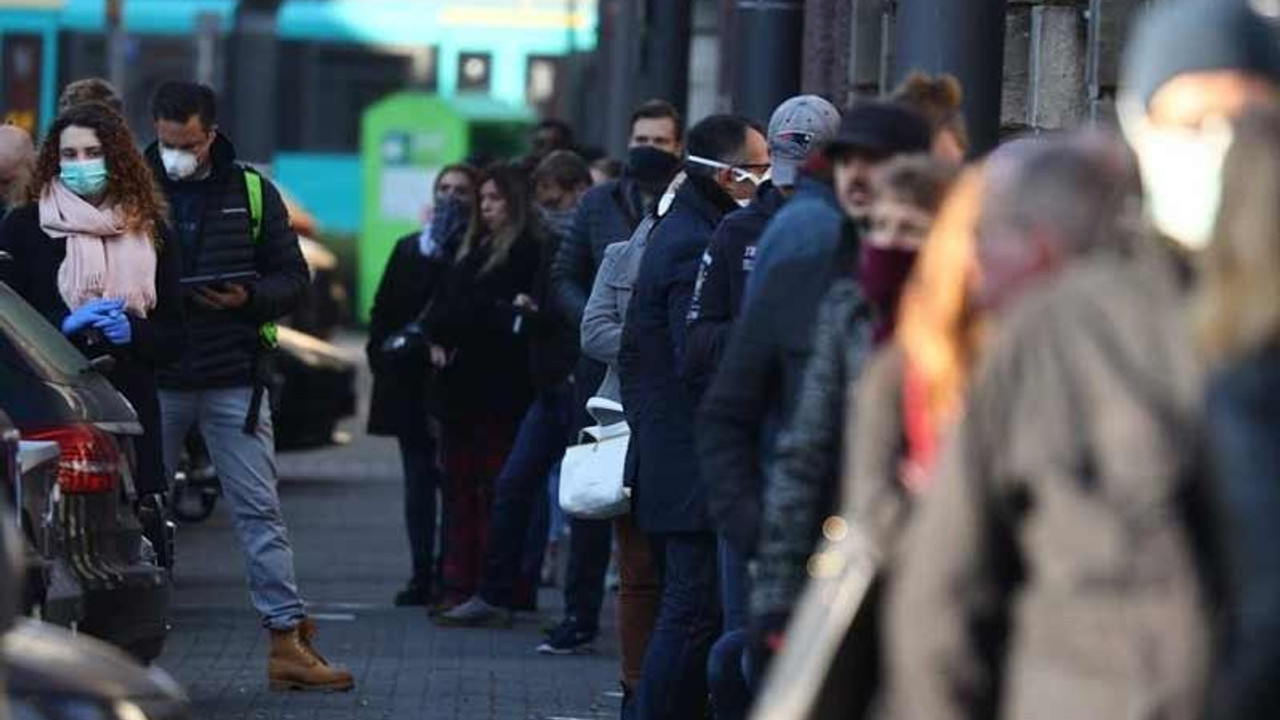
point(405, 140)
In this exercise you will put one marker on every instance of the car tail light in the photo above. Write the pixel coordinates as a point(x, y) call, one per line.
point(91, 461)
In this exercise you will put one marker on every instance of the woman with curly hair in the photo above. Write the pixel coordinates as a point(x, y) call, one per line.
point(90, 251)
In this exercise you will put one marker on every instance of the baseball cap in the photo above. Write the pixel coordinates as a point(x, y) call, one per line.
point(883, 128)
point(799, 126)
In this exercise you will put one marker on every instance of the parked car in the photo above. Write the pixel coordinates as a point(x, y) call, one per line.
point(50, 588)
point(53, 393)
point(316, 388)
point(55, 675)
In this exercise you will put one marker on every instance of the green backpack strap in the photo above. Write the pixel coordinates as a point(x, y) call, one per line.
point(253, 186)
point(268, 332)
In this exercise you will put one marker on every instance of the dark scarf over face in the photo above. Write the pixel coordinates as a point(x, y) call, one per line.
point(882, 275)
point(652, 169)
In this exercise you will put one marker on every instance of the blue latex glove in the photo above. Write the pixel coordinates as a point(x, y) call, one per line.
point(116, 327)
point(89, 313)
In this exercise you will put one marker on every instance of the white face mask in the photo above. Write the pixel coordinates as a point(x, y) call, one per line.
point(1182, 174)
point(179, 164)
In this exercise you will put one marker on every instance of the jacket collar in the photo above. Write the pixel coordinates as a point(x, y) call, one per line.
point(818, 190)
point(705, 199)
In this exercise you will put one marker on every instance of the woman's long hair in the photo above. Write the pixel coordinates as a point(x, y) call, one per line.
point(513, 186)
point(1238, 301)
point(939, 325)
point(131, 188)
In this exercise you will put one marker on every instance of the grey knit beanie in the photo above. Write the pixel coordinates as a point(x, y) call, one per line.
point(1183, 36)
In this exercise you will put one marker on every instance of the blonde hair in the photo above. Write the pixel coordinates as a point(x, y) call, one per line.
point(939, 327)
point(1237, 305)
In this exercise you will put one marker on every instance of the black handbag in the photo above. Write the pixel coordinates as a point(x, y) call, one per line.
point(407, 348)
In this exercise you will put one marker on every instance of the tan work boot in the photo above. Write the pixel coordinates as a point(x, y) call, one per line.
point(294, 663)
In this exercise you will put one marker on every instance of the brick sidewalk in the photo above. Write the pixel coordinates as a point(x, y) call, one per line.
point(343, 506)
point(404, 668)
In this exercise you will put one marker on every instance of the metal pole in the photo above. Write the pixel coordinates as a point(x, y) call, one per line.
point(251, 122)
point(965, 39)
point(117, 47)
point(666, 57)
point(770, 36)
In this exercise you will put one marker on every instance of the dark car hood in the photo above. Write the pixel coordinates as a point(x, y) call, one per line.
point(44, 380)
point(43, 660)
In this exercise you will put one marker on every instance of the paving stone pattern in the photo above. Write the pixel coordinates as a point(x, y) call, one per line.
point(344, 513)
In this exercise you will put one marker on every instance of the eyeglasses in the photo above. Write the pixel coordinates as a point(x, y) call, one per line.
point(741, 173)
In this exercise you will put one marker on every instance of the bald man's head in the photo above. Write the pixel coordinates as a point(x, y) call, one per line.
point(17, 158)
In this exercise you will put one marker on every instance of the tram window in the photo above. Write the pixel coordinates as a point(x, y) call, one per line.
point(475, 72)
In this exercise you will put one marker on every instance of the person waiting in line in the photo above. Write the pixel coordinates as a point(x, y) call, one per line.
point(1073, 494)
point(639, 587)
point(810, 243)
point(856, 313)
point(479, 344)
point(92, 251)
point(670, 497)
point(798, 129)
point(17, 160)
point(403, 395)
point(1238, 332)
point(549, 136)
point(219, 383)
point(559, 183)
point(605, 169)
point(90, 90)
point(939, 99)
point(608, 213)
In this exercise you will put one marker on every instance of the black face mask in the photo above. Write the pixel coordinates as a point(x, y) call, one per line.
point(651, 168)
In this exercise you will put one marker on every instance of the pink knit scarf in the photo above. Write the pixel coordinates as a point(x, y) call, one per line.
point(104, 260)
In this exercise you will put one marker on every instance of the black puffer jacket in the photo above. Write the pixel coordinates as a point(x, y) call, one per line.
point(211, 218)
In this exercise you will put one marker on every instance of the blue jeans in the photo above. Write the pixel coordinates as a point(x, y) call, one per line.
point(727, 667)
point(674, 685)
point(246, 465)
point(521, 488)
point(421, 487)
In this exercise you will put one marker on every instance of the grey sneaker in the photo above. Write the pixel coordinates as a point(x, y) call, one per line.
point(476, 613)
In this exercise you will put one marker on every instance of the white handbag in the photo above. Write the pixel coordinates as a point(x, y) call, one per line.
point(591, 484)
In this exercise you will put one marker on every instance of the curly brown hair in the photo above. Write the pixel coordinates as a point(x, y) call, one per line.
point(130, 185)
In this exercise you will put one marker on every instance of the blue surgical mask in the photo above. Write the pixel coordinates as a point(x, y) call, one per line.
point(85, 178)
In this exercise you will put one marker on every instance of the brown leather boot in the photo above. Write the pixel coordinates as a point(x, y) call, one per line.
point(294, 663)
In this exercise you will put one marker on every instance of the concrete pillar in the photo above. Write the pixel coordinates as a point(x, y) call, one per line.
point(1017, 69)
point(965, 39)
point(770, 33)
point(664, 53)
point(867, 47)
point(1057, 96)
point(250, 115)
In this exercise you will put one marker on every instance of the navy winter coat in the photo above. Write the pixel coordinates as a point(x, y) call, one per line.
point(806, 246)
point(670, 497)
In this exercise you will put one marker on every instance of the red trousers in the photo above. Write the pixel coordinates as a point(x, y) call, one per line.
point(474, 451)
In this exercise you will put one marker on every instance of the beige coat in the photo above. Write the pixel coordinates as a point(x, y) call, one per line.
point(1055, 570)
